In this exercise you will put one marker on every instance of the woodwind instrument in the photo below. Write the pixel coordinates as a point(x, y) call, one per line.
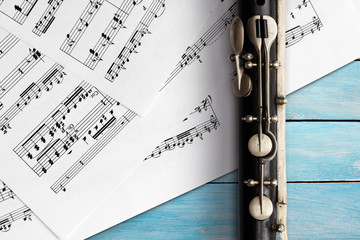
point(258, 40)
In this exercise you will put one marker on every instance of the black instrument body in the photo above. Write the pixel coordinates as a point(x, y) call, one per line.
point(250, 228)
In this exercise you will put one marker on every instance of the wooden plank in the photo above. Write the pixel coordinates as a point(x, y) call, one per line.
point(209, 212)
point(324, 211)
point(335, 96)
point(316, 211)
point(319, 151)
point(323, 151)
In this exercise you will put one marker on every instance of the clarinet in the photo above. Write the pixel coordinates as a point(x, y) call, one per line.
point(257, 37)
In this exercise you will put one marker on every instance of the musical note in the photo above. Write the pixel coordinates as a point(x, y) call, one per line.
point(155, 10)
point(27, 214)
point(188, 136)
point(6, 193)
point(23, 10)
point(74, 36)
point(7, 220)
point(294, 35)
point(113, 127)
point(7, 44)
point(106, 39)
point(204, 105)
point(5, 224)
point(20, 71)
point(47, 18)
point(62, 129)
point(42, 145)
point(192, 52)
point(307, 20)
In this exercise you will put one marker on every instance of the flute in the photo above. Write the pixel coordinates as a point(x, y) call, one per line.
point(258, 40)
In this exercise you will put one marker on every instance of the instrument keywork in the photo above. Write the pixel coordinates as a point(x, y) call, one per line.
point(258, 43)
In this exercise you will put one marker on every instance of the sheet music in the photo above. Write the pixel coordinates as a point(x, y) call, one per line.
point(108, 41)
point(188, 155)
point(17, 10)
point(17, 221)
point(199, 149)
point(304, 21)
point(206, 123)
point(212, 34)
point(61, 137)
point(198, 152)
point(50, 142)
point(317, 42)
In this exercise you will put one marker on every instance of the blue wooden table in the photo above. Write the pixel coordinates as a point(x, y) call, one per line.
point(323, 171)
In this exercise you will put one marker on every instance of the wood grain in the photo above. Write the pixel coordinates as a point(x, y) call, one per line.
point(317, 211)
point(209, 212)
point(335, 96)
point(323, 151)
point(324, 211)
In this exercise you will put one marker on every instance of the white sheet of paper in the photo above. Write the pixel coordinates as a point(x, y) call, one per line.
point(116, 45)
point(322, 36)
point(17, 221)
point(356, 5)
point(65, 143)
point(171, 171)
point(175, 171)
point(172, 109)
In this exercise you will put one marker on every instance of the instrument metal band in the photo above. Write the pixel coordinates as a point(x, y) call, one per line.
point(281, 160)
